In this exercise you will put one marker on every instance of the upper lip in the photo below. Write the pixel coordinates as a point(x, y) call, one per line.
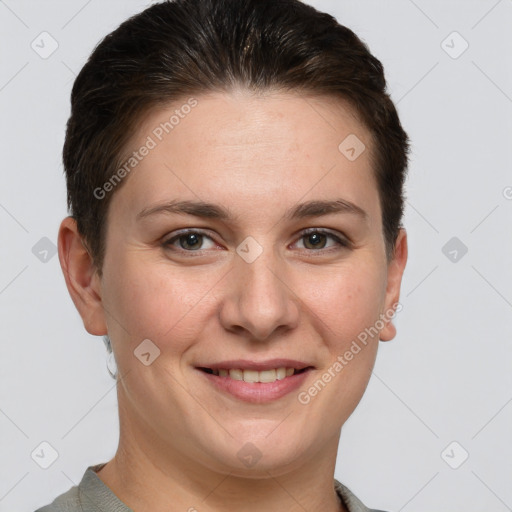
point(246, 364)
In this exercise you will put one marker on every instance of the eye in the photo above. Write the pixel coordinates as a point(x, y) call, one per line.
point(317, 239)
point(313, 240)
point(190, 241)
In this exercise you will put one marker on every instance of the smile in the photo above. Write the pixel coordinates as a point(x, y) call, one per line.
point(254, 376)
point(256, 382)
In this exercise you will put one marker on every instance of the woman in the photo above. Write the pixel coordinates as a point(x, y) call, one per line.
point(235, 174)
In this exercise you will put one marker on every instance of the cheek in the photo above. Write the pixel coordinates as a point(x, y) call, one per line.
point(153, 301)
point(348, 306)
point(347, 300)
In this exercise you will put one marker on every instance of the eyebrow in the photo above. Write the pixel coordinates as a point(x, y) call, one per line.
point(316, 208)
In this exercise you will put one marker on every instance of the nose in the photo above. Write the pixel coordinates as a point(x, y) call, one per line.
point(259, 299)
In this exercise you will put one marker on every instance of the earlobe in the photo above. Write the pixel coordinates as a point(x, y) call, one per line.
point(81, 277)
point(396, 269)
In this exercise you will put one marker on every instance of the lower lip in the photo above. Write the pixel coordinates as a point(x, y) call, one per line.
point(257, 392)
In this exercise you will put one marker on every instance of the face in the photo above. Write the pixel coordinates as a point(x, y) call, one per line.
point(247, 245)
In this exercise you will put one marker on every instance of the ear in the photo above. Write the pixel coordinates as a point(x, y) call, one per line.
point(396, 269)
point(82, 279)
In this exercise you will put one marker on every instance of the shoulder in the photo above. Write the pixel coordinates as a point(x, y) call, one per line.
point(66, 502)
point(351, 501)
point(90, 495)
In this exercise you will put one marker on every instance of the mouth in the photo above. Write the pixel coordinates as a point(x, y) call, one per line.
point(255, 376)
point(256, 382)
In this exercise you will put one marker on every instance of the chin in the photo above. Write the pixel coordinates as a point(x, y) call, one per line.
point(261, 455)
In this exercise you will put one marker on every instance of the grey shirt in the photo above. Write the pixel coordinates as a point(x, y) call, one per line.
point(92, 495)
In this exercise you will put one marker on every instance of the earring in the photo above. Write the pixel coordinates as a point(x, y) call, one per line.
point(111, 360)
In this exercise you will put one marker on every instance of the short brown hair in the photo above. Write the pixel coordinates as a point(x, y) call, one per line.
point(180, 48)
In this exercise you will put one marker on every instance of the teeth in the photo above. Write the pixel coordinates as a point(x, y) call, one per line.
point(236, 374)
point(281, 373)
point(267, 376)
point(256, 376)
point(251, 375)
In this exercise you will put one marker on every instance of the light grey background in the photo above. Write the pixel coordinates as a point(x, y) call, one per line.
point(447, 375)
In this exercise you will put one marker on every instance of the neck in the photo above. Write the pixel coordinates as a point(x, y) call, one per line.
point(150, 474)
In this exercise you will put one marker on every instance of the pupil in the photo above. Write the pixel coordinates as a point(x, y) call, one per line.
point(190, 240)
point(315, 239)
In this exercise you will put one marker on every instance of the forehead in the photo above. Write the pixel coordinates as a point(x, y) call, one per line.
point(246, 149)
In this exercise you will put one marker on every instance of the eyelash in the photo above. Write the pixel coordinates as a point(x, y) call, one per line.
point(341, 242)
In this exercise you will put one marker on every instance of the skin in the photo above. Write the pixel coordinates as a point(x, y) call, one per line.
point(258, 156)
